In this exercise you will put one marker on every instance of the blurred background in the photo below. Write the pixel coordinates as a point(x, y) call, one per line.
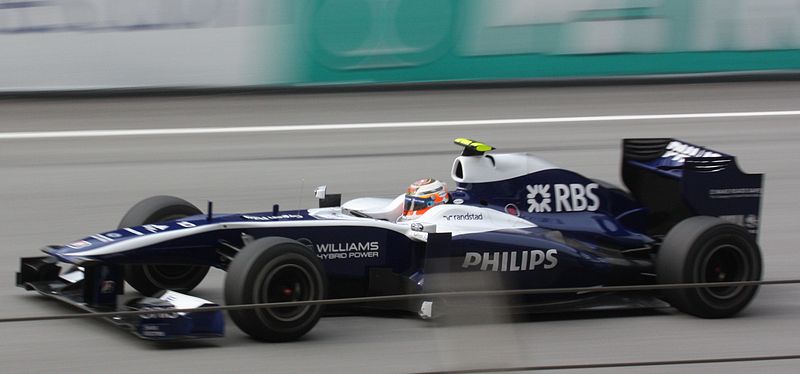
point(91, 44)
point(417, 72)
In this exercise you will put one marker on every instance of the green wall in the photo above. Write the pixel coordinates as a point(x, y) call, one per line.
point(384, 41)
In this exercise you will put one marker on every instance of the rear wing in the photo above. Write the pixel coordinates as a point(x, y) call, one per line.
point(676, 180)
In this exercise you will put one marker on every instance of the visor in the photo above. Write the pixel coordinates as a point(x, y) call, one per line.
point(413, 203)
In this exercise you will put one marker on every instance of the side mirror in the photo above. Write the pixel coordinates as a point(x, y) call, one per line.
point(327, 200)
point(320, 192)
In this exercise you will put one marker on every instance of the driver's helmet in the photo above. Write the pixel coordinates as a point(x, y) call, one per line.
point(423, 195)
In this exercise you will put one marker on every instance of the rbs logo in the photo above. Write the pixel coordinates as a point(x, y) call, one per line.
point(574, 197)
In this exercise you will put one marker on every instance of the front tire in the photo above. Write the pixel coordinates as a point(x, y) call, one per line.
point(275, 270)
point(149, 279)
point(703, 250)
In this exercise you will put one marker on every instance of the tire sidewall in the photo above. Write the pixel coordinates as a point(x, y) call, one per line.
point(244, 285)
point(157, 209)
point(685, 250)
point(145, 277)
point(723, 235)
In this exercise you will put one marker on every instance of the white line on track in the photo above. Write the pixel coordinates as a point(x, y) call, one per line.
point(375, 125)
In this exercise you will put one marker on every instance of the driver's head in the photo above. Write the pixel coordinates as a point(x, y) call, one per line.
point(423, 195)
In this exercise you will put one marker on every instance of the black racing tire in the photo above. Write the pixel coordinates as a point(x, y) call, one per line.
point(150, 279)
point(275, 269)
point(708, 249)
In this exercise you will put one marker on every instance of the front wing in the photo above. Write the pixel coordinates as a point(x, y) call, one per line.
point(99, 288)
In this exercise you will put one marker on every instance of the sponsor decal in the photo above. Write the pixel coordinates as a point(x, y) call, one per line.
point(464, 217)
point(751, 221)
point(733, 193)
point(351, 250)
point(748, 221)
point(155, 228)
point(108, 287)
point(152, 330)
point(102, 238)
point(272, 218)
point(678, 152)
point(574, 197)
point(157, 315)
point(511, 260)
point(113, 235)
point(539, 198)
point(79, 244)
point(458, 201)
point(132, 231)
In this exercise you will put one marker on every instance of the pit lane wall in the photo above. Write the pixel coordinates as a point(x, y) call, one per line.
point(90, 44)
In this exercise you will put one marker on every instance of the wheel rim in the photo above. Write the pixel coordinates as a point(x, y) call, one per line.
point(725, 263)
point(285, 283)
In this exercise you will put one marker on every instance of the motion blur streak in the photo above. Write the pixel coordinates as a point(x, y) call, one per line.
point(379, 125)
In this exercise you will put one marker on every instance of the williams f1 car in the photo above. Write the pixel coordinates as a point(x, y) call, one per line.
point(688, 215)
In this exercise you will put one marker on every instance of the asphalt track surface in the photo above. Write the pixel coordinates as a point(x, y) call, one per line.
point(59, 189)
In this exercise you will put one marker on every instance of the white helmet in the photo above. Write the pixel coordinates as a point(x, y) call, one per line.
point(423, 195)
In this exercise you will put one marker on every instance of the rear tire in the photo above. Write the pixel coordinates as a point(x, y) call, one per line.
point(275, 270)
point(707, 249)
point(149, 279)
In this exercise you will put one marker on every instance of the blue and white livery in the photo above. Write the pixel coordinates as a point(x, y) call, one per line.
point(514, 221)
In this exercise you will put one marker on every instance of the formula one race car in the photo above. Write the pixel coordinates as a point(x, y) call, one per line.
point(689, 215)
